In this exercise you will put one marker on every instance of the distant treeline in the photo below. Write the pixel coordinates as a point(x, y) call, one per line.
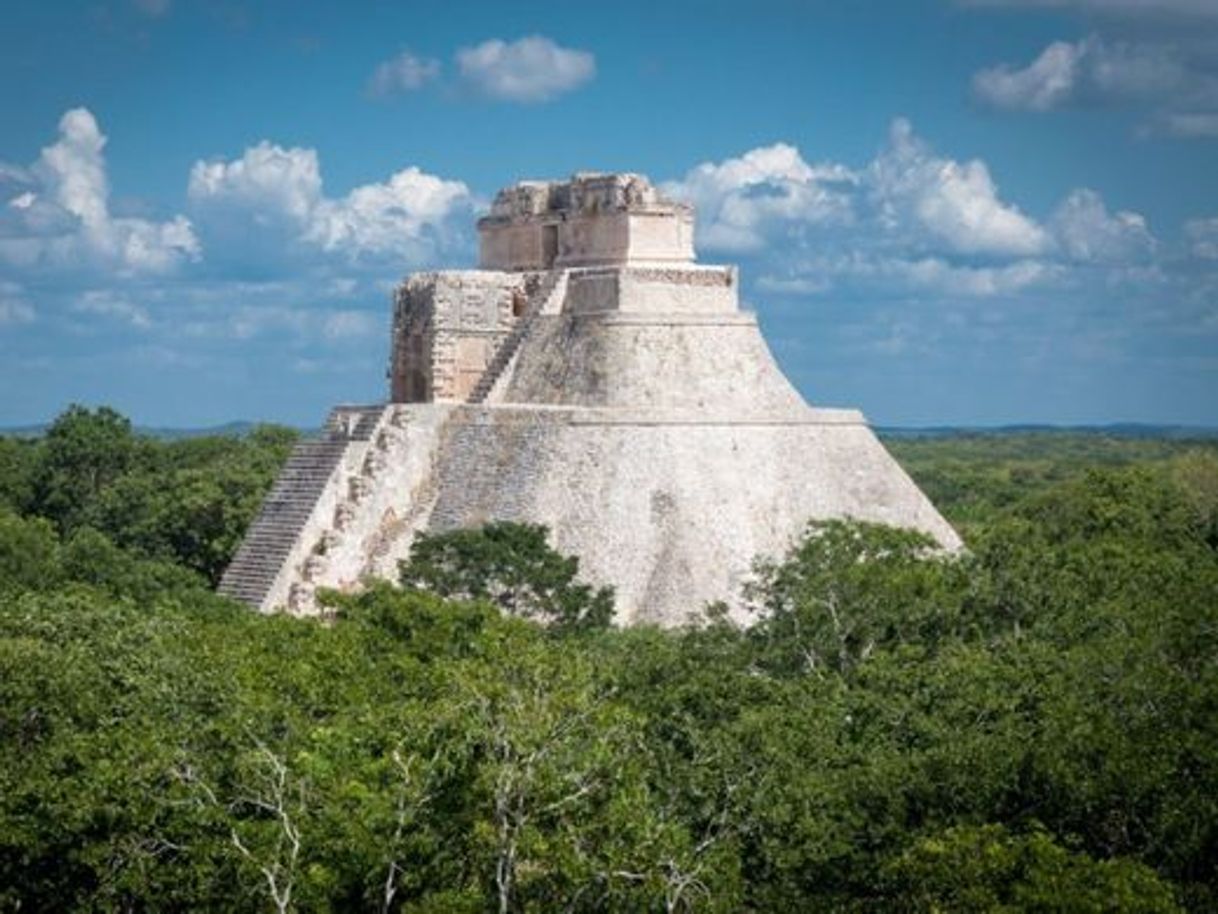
point(1029, 726)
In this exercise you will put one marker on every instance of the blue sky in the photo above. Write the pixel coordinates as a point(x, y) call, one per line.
point(945, 211)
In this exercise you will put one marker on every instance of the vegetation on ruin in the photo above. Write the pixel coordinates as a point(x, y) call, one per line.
point(1030, 727)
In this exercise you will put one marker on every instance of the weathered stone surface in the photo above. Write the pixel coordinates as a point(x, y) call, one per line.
point(671, 506)
point(590, 219)
point(446, 327)
point(626, 403)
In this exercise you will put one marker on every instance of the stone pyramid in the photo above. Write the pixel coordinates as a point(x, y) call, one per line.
point(589, 376)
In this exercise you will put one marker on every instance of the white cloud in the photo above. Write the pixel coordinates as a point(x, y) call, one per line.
point(910, 222)
point(532, 69)
point(896, 274)
point(1043, 84)
point(404, 73)
point(109, 304)
point(793, 285)
point(939, 276)
point(1126, 70)
point(907, 197)
point(388, 217)
point(1087, 232)
point(741, 201)
point(408, 216)
point(273, 182)
point(1171, 81)
point(62, 220)
point(1202, 236)
point(73, 170)
point(1090, 70)
point(953, 203)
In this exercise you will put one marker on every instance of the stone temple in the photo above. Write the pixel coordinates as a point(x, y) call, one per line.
point(592, 377)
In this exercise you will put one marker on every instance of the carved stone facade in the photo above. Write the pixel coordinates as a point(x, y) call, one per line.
point(591, 220)
point(447, 327)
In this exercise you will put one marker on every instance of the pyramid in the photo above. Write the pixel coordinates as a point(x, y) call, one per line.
point(592, 377)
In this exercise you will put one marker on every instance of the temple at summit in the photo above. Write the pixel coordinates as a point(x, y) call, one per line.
point(591, 376)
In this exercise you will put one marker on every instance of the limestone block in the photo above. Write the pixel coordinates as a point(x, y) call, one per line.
point(590, 219)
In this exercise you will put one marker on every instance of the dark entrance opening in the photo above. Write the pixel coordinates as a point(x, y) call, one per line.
point(416, 387)
point(549, 245)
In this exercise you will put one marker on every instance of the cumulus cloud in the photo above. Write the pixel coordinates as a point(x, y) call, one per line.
point(531, 69)
point(404, 73)
point(907, 194)
point(954, 203)
point(388, 217)
point(273, 182)
point(1090, 70)
point(1087, 232)
point(1043, 84)
point(60, 216)
point(740, 201)
point(1170, 81)
point(410, 216)
point(909, 222)
point(284, 258)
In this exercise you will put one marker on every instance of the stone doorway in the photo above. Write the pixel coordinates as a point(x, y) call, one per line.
point(549, 246)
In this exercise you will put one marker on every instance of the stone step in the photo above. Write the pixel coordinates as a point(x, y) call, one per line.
point(508, 348)
point(292, 501)
point(354, 423)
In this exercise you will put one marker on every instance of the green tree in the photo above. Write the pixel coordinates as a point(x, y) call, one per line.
point(513, 566)
point(83, 452)
point(1196, 471)
point(847, 588)
point(195, 501)
point(18, 461)
point(89, 557)
point(988, 869)
point(29, 553)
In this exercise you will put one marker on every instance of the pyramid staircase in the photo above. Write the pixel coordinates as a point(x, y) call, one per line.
point(511, 344)
point(269, 542)
point(353, 491)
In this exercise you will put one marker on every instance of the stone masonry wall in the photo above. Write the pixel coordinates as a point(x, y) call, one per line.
point(671, 508)
point(446, 328)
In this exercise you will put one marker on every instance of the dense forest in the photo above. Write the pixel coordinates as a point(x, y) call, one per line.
point(1029, 726)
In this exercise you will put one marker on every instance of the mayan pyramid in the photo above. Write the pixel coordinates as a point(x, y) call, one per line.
point(589, 376)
